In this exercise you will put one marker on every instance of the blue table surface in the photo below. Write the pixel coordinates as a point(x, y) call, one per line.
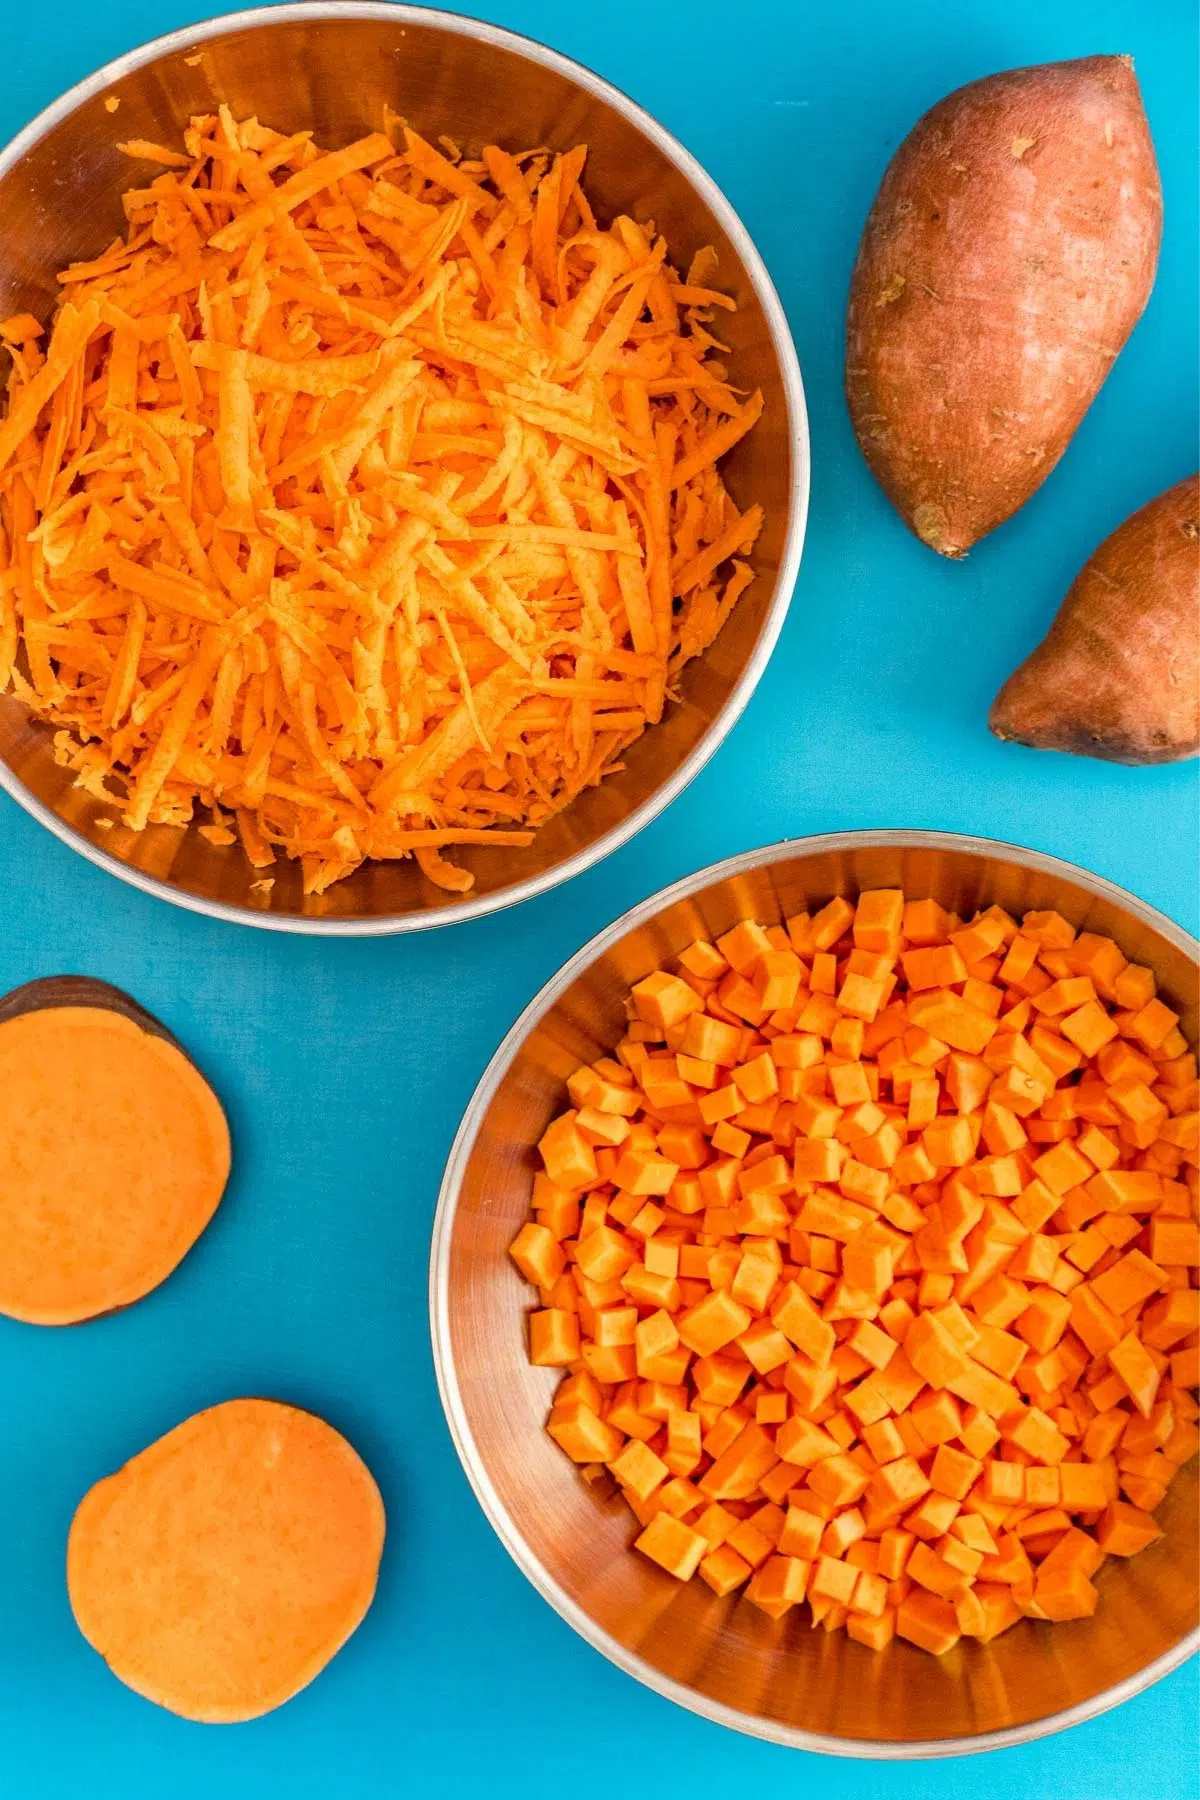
point(346, 1066)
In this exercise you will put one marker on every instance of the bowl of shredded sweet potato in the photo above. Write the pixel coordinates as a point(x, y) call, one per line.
point(814, 1294)
point(403, 468)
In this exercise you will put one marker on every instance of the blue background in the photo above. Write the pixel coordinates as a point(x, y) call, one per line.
point(345, 1066)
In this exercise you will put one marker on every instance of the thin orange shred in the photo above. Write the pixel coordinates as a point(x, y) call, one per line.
point(369, 495)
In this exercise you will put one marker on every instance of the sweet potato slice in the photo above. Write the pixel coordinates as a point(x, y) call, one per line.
point(221, 1569)
point(114, 1153)
point(1118, 674)
point(1008, 255)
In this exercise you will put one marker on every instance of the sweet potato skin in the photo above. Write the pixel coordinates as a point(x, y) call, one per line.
point(1008, 255)
point(1117, 676)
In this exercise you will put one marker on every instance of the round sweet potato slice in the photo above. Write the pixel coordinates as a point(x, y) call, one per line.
point(114, 1154)
point(221, 1569)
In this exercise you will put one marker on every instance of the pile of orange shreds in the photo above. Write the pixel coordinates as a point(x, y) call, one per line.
point(871, 1260)
point(369, 499)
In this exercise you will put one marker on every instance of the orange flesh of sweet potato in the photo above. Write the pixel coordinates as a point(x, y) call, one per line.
point(114, 1154)
point(410, 406)
point(1009, 252)
point(824, 1341)
point(1118, 674)
point(221, 1569)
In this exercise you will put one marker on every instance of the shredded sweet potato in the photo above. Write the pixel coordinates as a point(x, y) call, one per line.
point(367, 499)
point(221, 1569)
point(114, 1154)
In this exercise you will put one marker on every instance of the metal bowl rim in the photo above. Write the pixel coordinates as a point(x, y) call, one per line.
point(392, 924)
point(749, 1724)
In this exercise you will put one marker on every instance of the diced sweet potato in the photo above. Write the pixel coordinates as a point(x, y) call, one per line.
point(922, 1369)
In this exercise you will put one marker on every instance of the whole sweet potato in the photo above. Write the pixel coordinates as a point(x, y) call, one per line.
point(1118, 673)
point(1008, 255)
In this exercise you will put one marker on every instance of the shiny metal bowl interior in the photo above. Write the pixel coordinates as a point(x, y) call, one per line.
point(724, 1658)
point(333, 67)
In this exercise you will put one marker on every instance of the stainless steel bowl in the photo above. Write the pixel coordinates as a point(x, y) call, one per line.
point(724, 1658)
point(333, 67)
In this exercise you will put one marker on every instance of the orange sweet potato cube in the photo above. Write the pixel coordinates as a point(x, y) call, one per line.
point(750, 1542)
point(878, 918)
point(584, 1436)
point(952, 1020)
point(1129, 1282)
point(604, 1254)
point(801, 1535)
point(949, 1142)
point(875, 1633)
point(703, 960)
point(553, 1338)
point(776, 979)
point(1089, 1028)
point(712, 1323)
point(809, 1384)
point(897, 1485)
point(867, 1267)
point(758, 1079)
point(610, 1362)
point(641, 1172)
point(639, 1469)
point(614, 1325)
point(538, 1255)
point(800, 1322)
point(1175, 1242)
point(848, 1038)
point(932, 1517)
point(673, 1545)
point(831, 923)
point(724, 1570)
point(932, 1351)
point(780, 1583)
point(839, 1480)
point(937, 1417)
point(1043, 1488)
point(870, 1342)
point(1082, 1487)
point(569, 1159)
point(832, 1579)
point(1153, 1024)
point(979, 1434)
point(743, 944)
point(1005, 1482)
point(860, 997)
point(765, 1346)
point(664, 1000)
point(927, 1621)
point(1062, 1167)
point(1123, 1530)
point(711, 1040)
point(895, 1546)
point(953, 1473)
point(1045, 1319)
point(1137, 1368)
point(933, 966)
point(802, 1442)
point(1032, 1431)
point(738, 1470)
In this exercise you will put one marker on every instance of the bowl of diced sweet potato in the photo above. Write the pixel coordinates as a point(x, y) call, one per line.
point(814, 1294)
